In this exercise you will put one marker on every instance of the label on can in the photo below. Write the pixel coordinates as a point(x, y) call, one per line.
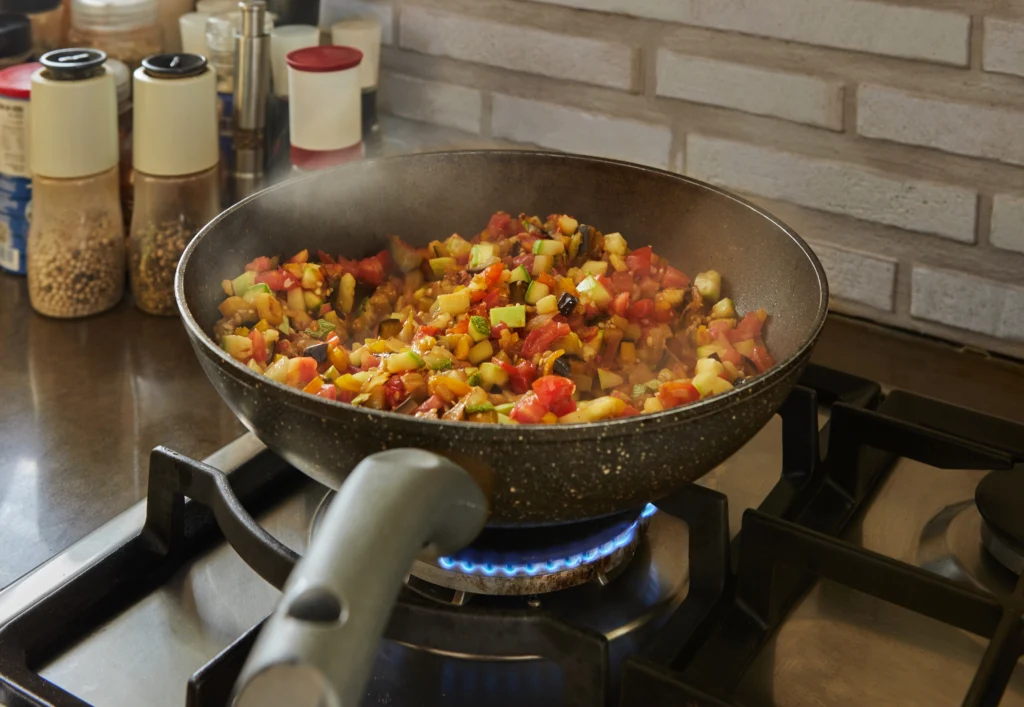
point(15, 183)
point(13, 234)
point(13, 137)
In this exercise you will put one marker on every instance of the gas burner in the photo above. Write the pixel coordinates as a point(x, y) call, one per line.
point(999, 497)
point(538, 560)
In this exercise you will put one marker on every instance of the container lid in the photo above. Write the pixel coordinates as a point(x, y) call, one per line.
point(122, 79)
point(29, 7)
point(324, 59)
point(73, 121)
point(16, 81)
point(214, 7)
point(15, 34)
point(284, 40)
point(112, 15)
point(175, 115)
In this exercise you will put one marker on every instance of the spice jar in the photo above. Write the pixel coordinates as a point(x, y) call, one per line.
point(324, 106)
point(363, 33)
point(127, 30)
point(123, 81)
point(283, 40)
point(44, 16)
point(76, 239)
point(15, 177)
point(175, 158)
point(15, 39)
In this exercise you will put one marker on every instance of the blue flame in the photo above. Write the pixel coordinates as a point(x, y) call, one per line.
point(532, 569)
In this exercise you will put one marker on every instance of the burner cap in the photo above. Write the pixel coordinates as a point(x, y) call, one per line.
point(999, 498)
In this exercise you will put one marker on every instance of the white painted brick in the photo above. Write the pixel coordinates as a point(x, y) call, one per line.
point(1007, 230)
point(952, 126)
point(957, 299)
point(555, 54)
point(1003, 47)
point(838, 187)
point(797, 97)
point(858, 277)
point(432, 102)
point(570, 130)
point(1011, 322)
point(383, 11)
point(875, 27)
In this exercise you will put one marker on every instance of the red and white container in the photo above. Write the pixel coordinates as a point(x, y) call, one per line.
point(324, 107)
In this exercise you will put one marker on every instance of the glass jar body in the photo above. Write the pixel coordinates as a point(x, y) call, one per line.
point(168, 212)
point(130, 45)
point(76, 250)
point(47, 28)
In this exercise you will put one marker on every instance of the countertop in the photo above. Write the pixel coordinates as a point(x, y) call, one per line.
point(83, 402)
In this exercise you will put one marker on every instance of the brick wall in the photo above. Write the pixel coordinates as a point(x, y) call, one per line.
point(889, 134)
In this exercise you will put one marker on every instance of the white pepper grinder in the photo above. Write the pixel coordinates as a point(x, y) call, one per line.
point(76, 239)
point(175, 155)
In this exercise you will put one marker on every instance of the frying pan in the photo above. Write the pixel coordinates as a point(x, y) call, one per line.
point(440, 482)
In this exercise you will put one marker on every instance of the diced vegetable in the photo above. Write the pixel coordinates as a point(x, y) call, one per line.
point(251, 293)
point(513, 316)
point(592, 290)
point(481, 352)
point(709, 284)
point(238, 347)
point(567, 225)
point(723, 309)
point(595, 267)
point(406, 257)
point(243, 282)
point(520, 275)
point(547, 247)
point(455, 303)
point(537, 291)
point(479, 329)
point(614, 243)
point(439, 266)
point(405, 361)
point(480, 256)
point(547, 305)
point(542, 264)
point(492, 375)
point(607, 379)
point(457, 245)
point(710, 383)
point(746, 348)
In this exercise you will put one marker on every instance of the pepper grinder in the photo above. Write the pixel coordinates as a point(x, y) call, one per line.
point(252, 47)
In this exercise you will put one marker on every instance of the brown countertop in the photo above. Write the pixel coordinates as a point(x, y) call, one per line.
point(82, 403)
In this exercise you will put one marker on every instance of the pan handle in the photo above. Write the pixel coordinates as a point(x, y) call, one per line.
point(318, 646)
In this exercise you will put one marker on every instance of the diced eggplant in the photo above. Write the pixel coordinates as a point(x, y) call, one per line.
point(561, 367)
point(567, 304)
point(317, 352)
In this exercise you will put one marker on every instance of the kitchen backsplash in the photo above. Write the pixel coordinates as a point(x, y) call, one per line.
point(890, 135)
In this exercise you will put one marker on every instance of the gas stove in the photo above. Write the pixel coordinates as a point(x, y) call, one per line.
point(863, 548)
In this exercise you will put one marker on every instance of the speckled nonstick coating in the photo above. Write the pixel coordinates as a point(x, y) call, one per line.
point(533, 475)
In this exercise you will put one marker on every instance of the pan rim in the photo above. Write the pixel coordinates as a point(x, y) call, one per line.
point(603, 428)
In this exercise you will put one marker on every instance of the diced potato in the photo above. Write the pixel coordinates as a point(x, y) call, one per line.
point(567, 225)
point(709, 383)
point(269, 308)
point(614, 243)
point(603, 408)
point(627, 353)
point(549, 418)
point(238, 347)
point(595, 267)
point(618, 262)
point(709, 284)
point(608, 379)
point(547, 305)
point(455, 303)
point(674, 296)
point(653, 405)
point(236, 305)
point(709, 365)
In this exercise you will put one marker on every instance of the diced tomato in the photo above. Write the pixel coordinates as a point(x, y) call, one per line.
point(639, 261)
point(344, 396)
point(492, 274)
point(546, 279)
point(524, 259)
point(259, 346)
point(648, 287)
point(373, 270)
point(328, 391)
point(528, 409)
point(519, 377)
point(494, 299)
point(674, 278)
point(628, 411)
point(587, 333)
point(461, 327)
point(726, 352)
point(300, 257)
point(620, 304)
point(301, 371)
point(748, 328)
point(539, 339)
point(369, 361)
point(431, 403)
point(394, 392)
point(641, 309)
point(325, 258)
point(563, 407)
point(496, 330)
point(425, 330)
point(477, 296)
point(501, 224)
point(278, 280)
point(762, 359)
point(622, 282)
point(258, 265)
point(674, 393)
point(553, 389)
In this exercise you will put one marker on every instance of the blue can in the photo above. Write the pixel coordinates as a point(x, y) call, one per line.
point(15, 173)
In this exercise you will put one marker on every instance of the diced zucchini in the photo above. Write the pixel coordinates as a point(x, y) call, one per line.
point(709, 284)
point(457, 245)
point(723, 309)
point(405, 361)
point(520, 275)
point(709, 383)
point(438, 249)
point(309, 299)
point(542, 264)
point(708, 365)
point(615, 243)
point(243, 282)
point(567, 225)
point(595, 267)
point(746, 348)
point(574, 245)
point(608, 379)
point(296, 301)
point(536, 292)
point(482, 407)
point(253, 366)
point(238, 347)
point(548, 247)
point(491, 374)
point(406, 257)
point(439, 266)
point(311, 277)
point(473, 377)
point(479, 329)
point(481, 352)
point(592, 290)
point(513, 316)
point(455, 303)
point(437, 362)
point(708, 350)
point(278, 370)
point(504, 419)
point(252, 292)
point(331, 373)
point(504, 408)
point(547, 305)
point(481, 255)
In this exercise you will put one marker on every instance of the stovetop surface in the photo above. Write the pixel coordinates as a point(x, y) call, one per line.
point(838, 646)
